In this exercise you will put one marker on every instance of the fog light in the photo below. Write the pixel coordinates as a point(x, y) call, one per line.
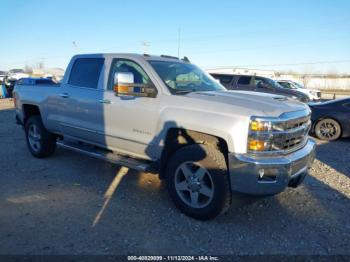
point(256, 145)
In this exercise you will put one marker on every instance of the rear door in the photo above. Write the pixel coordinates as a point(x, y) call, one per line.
point(82, 116)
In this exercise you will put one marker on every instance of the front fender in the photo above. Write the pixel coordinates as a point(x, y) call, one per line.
point(233, 130)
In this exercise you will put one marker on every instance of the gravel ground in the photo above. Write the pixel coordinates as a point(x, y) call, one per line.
point(73, 204)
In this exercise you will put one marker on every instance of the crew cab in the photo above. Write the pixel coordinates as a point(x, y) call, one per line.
point(258, 84)
point(164, 115)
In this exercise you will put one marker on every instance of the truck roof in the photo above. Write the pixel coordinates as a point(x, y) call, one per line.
point(135, 56)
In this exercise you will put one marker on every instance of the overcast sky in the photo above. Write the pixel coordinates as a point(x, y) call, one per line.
point(286, 35)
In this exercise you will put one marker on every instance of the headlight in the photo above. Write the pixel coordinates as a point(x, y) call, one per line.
point(259, 125)
point(259, 134)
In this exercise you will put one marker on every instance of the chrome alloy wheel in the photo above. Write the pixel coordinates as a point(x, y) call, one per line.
point(194, 185)
point(34, 137)
point(328, 129)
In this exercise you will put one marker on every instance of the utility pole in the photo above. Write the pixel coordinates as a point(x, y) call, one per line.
point(178, 43)
point(75, 45)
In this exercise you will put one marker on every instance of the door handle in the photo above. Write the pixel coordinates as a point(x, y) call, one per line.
point(105, 101)
point(64, 95)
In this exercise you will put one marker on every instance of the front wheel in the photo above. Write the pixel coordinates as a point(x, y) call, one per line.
point(328, 129)
point(41, 143)
point(197, 181)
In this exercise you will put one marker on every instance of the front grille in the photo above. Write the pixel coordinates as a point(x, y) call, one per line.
point(291, 135)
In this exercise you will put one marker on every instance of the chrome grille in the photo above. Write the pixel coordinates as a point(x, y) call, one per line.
point(291, 135)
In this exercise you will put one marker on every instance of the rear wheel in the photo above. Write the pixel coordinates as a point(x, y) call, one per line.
point(41, 143)
point(197, 181)
point(328, 129)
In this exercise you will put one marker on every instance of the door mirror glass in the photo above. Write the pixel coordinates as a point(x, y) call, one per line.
point(124, 86)
point(123, 78)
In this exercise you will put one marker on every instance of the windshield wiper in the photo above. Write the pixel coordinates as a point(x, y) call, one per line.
point(184, 91)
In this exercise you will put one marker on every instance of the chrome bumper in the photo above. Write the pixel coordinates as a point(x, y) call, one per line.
point(270, 175)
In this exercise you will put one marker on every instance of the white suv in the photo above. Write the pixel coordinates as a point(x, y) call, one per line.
point(313, 94)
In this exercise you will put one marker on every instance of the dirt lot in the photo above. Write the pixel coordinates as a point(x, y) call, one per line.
point(72, 204)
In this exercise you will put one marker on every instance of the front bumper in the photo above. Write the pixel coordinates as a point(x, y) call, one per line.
point(270, 175)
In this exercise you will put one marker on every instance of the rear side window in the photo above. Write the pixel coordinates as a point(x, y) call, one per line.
point(244, 80)
point(224, 79)
point(86, 72)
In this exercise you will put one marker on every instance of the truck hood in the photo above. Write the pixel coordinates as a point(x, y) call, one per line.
point(251, 103)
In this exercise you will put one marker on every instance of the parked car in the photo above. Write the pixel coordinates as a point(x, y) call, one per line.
point(8, 85)
point(313, 94)
point(35, 81)
point(331, 119)
point(3, 74)
point(15, 74)
point(165, 115)
point(258, 84)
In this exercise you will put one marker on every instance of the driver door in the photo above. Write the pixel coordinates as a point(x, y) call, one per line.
point(261, 85)
point(130, 121)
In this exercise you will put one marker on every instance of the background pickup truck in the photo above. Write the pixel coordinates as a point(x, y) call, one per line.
point(167, 116)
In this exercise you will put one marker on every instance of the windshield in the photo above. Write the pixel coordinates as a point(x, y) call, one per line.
point(270, 82)
point(298, 85)
point(184, 78)
point(287, 85)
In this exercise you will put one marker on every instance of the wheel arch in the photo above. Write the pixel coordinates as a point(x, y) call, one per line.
point(177, 137)
point(30, 110)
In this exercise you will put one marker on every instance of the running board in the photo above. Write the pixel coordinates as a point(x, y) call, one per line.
point(139, 165)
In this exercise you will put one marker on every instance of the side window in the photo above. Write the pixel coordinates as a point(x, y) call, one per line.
point(224, 79)
point(259, 82)
point(123, 65)
point(86, 72)
point(347, 105)
point(244, 80)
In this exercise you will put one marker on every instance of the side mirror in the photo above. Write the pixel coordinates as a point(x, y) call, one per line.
point(124, 86)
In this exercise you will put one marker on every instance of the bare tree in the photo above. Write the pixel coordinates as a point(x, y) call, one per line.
point(39, 65)
point(332, 73)
point(28, 69)
point(306, 79)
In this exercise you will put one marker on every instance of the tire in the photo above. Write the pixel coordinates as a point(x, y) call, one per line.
point(197, 181)
point(41, 143)
point(328, 129)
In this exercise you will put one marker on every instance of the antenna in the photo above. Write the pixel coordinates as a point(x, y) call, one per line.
point(75, 45)
point(146, 46)
point(178, 42)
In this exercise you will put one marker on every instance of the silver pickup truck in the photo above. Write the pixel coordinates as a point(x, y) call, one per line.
point(164, 115)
